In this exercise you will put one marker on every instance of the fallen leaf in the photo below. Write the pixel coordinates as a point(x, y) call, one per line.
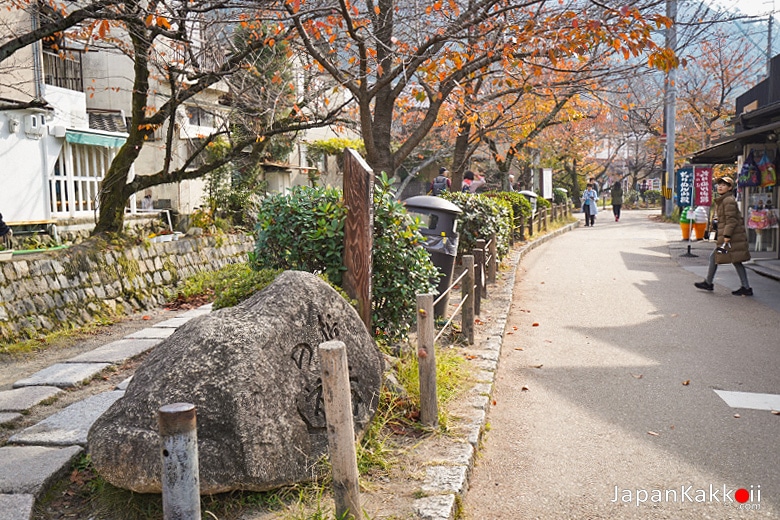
point(494, 402)
point(470, 356)
point(686, 382)
point(671, 427)
point(547, 341)
point(514, 328)
point(518, 348)
point(535, 324)
point(776, 412)
point(147, 318)
point(524, 388)
point(654, 434)
point(674, 315)
point(638, 376)
point(737, 416)
point(537, 366)
point(542, 283)
point(508, 333)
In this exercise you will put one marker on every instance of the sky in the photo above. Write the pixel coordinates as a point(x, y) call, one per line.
point(750, 7)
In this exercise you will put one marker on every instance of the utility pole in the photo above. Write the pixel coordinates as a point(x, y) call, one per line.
point(670, 99)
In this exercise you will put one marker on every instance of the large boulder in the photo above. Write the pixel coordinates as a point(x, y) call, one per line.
point(252, 371)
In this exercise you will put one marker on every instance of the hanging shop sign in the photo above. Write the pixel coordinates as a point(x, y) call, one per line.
point(684, 188)
point(694, 186)
point(702, 185)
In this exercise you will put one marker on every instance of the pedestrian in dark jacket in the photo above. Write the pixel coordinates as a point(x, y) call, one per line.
point(617, 199)
point(6, 233)
point(732, 242)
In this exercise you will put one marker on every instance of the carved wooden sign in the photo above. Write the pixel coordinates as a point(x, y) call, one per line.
point(358, 231)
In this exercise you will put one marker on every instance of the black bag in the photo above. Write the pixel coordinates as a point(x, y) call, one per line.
point(439, 185)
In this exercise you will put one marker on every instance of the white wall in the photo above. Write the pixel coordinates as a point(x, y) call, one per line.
point(25, 163)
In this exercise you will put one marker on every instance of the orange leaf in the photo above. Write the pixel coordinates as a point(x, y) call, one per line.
point(535, 325)
point(163, 22)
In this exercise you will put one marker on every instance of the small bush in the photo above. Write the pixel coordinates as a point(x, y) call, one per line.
point(304, 230)
point(482, 216)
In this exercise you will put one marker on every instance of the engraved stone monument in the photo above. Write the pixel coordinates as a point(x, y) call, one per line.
point(252, 371)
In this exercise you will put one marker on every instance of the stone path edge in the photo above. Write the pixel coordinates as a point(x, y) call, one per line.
point(447, 484)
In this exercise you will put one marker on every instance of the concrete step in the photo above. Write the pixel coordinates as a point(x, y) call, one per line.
point(63, 375)
point(116, 352)
point(16, 507)
point(22, 399)
point(70, 425)
point(151, 333)
point(31, 469)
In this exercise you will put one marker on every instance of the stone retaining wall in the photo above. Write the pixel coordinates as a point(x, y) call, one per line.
point(71, 287)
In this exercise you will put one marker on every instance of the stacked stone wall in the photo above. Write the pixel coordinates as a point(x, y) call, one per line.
point(83, 284)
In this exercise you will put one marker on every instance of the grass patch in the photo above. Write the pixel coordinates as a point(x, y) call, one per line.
point(58, 338)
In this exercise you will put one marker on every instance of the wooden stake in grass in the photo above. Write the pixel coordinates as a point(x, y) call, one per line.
point(426, 360)
point(337, 400)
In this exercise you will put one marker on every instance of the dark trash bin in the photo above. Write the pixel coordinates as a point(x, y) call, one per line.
point(439, 227)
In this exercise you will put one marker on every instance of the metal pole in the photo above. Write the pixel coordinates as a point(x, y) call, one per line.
point(179, 450)
point(670, 111)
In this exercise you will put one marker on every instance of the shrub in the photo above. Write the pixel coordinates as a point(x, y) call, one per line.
point(304, 230)
point(482, 216)
point(653, 196)
point(559, 196)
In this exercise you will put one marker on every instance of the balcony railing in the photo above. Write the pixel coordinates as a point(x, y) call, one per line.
point(63, 71)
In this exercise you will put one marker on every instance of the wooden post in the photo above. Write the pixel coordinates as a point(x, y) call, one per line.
point(337, 400)
point(493, 264)
point(531, 226)
point(544, 219)
point(479, 258)
point(179, 451)
point(467, 293)
point(358, 231)
point(426, 361)
point(482, 261)
point(522, 228)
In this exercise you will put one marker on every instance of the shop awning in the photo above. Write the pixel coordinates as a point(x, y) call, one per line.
point(727, 151)
point(94, 138)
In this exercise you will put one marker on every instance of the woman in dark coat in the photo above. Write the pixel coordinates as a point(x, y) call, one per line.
point(732, 241)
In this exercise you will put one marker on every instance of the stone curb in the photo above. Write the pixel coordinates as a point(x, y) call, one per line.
point(446, 482)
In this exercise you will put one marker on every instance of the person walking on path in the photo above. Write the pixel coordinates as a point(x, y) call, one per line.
point(441, 183)
point(617, 199)
point(732, 243)
point(590, 205)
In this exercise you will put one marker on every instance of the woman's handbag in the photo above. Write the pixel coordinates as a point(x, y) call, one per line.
point(767, 169)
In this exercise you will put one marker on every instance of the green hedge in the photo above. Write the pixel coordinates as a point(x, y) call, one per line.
point(483, 215)
point(304, 229)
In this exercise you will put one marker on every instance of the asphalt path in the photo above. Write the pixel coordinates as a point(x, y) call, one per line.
point(605, 402)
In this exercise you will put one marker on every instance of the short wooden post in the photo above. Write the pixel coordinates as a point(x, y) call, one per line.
point(521, 228)
point(467, 293)
point(482, 261)
point(531, 226)
point(544, 219)
point(179, 451)
point(492, 266)
point(479, 260)
point(358, 231)
point(554, 212)
point(426, 361)
point(337, 400)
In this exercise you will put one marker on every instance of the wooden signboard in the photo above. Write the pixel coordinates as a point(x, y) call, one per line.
point(358, 232)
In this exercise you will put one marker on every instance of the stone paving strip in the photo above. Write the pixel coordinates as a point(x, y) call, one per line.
point(7, 418)
point(31, 469)
point(172, 323)
point(22, 399)
point(151, 333)
point(70, 425)
point(116, 352)
point(63, 375)
point(14, 507)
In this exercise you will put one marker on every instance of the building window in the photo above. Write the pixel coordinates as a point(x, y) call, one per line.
point(199, 117)
point(64, 70)
point(74, 184)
